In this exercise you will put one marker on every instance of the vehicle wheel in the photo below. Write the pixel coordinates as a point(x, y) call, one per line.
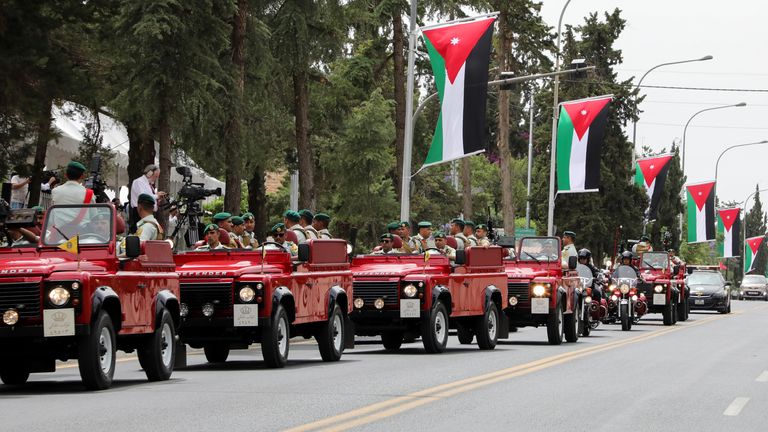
point(466, 336)
point(96, 356)
point(275, 340)
point(680, 312)
point(626, 320)
point(330, 338)
point(14, 372)
point(487, 328)
point(158, 354)
point(392, 340)
point(674, 313)
point(572, 323)
point(555, 329)
point(729, 307)
point(667, 314)
point(216, 352)
point(585, 325)
point(434, 333)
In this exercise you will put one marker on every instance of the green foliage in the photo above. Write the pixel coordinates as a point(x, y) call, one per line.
point(670, 206)
point(755, 223)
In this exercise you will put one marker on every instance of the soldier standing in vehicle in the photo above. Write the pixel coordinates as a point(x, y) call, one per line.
point(73, 191)
point(405, 235)
point(320, 224)
point(249, 237)
point(444, 249)
point(291, 222)
point(469, 232)
point(212, 242)
point(385, 245)
point(457, 231)
point(481, 234)
point(305, 220)
point(147, 228)
point(569, 250)
point(644, 245)
point(423, 240)
point(238, 230)
point(224, 221)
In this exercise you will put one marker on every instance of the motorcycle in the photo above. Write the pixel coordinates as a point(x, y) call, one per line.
point(629, 306)
point(595, 307)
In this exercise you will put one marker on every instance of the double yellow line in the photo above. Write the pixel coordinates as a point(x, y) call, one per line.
point(398, 405)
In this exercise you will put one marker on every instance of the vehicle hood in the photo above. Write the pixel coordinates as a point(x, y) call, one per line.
point(394, 270)
point(224, 268)
point(756, 287)
point(517, 271)
point(36, 266)
point(705, 289)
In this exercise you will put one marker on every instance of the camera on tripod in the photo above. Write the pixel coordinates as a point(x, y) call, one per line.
point(193, 191)
point(95, 182)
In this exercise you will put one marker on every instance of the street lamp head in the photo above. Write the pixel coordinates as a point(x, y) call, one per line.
point(706, 57)
point(741, 104)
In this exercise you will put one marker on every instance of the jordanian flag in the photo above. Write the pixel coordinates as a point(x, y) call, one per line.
point(460, 54)
point(750, 252)
point(701, 212)
point(650, 174)
point(729, 226)
point(580, 134)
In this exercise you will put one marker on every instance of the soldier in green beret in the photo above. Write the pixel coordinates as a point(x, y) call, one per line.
point(385, 245)
point(481, 233)
point(405, 233)
point(211, 241)
point(291, 220)
point(457, 231)
point(423, 240)
point(249, 237)
point(442, 246)
point(320, 223)
point(569, 249)
point(469, 232)
point(148, 228)
point(73, 191)
point(224, 221)
point(305, 220)
point(278, 236)
point(238, 230)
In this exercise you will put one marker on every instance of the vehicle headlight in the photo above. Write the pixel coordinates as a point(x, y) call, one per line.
point(634, 298)
point(410, 291)
point(513, 301)
point(658, 288)
point(359, 303)
point(10, 317)
point(208, 309)
point(612, 287)
point(539, 290)
point(379, 303)
point(247, 294)
point(58, 296)
point(614, 297)
point(587, 299)
point(75, 286)
point(624, 288)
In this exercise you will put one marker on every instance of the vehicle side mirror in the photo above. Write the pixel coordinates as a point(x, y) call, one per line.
point(461, 257)
point(132, 246)
point(676, 269)
point(303, 254)
point(572, 262)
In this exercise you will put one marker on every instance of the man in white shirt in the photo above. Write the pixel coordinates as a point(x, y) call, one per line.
point(73, 191)
point(144, 184)
point(19, 188)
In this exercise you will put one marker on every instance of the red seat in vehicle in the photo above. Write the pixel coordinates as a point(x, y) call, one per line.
point(452, 242)
point(397, 242)
point(291, 237)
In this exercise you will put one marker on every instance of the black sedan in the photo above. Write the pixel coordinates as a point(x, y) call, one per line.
point(709, 291)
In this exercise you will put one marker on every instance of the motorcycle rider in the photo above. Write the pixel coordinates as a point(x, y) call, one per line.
point(585, 258)
point(626, 259)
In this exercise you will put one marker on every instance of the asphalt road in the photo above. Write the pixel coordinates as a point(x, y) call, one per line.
point(707, 374)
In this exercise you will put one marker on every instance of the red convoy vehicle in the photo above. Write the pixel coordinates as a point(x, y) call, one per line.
point(87, 303)
point(231, 298)
point(402, 296)
point(663, 284)
point(541, 292)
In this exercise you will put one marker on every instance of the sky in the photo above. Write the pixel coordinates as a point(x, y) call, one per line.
point(734, 33)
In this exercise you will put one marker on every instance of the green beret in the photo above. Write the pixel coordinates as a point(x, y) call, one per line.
point(237, 220)
point(425, 224)
point(439, 234)
point(292, 216)
point(469, 223)
point(322, 217)
point(645, 237)
point(77, 165)
point(482, 227)
point(211, 227)
point(570, 234)
point(218, 217)
point(392, 226)
point(405, 224)
point(38, 209)
point(458, 222)
point(306, 214)
point(146, 198)
point(386, 236)
point(278, 228)
point(247, 216)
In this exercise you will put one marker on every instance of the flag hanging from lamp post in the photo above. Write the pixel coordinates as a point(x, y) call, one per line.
point(729, 225)
point(460, 55)
point(751, 247)
point(651, 174)
point(701, 212)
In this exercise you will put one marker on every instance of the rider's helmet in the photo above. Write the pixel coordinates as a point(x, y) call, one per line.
point(626, 255)
point(585, 253)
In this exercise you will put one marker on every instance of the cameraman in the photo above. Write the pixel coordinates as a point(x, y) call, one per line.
point(73, 191)
point(144, 184)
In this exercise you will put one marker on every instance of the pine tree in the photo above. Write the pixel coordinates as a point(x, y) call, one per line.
point(755, 225)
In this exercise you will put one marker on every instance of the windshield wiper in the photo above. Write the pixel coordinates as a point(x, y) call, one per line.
point(534, 258)
point(649, 265)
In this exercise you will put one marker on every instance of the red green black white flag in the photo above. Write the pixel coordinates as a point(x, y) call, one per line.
point(701, 212)
point(729, 226)
point(651, 174)
point(580, 134)
point(460, 54)
point(750, 252)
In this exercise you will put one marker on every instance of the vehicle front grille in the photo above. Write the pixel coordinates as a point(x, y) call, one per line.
point(24, 297)
point(369, 291)
point(521, 290)
point(195, 295)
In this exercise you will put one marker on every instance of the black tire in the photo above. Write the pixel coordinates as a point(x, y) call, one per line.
point(585, 325)
point(158, 355)
point(434, 332)
point(487, 328)
point(465, 334)
point(626, 320)
point(216, 352)
point(555, 327)
point(674, 313)
point(96, 354)
point(666, 314)
point(330, 337)
point(14, 372)
point(680, 312)
point(572, 324)
point(275, 339)
point(392, 340)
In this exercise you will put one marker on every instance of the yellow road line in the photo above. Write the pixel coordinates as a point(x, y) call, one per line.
point(400, 404)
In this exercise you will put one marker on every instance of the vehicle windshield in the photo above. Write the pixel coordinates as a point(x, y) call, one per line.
point(539, 249)
point(754, 280)
point(704, 278)
point(658, 260)
point(92, 224)
point(624, 272)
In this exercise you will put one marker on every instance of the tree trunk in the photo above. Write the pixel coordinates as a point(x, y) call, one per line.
point(466, 187)
point(303, 148)
point(257, 201)
point(164, 182)
point(505, 156)
point(140, 153)
point(398, 58)
point(41, 149)
point(233, 131)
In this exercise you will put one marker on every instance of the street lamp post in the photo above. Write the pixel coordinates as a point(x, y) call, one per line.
point(637, 114)
point(744, 228)
point(685, 130)
point(717, 164)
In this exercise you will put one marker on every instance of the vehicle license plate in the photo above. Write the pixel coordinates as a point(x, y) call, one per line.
point(699, 302)
point(623, 301)
point(58, 322)
point(753, 293)
point(409, 308)
point(659, 299)
point(246, 315)
point(540, 305)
